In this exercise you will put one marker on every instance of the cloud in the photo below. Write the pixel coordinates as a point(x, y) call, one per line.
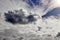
point(46, 12)
point(19, 17)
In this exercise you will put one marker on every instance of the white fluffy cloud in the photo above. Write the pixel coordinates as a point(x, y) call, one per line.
point(52, 23)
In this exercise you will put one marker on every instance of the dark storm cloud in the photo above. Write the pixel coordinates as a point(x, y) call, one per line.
point(19, 17)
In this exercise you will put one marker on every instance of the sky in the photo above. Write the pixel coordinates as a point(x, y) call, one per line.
point(33, 2)
point(55, 12)
point(45, 9)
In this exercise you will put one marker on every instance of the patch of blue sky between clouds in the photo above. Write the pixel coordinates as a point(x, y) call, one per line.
point(55, 13)
point(33, 2)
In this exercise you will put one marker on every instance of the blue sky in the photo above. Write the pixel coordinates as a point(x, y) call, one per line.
point(54, 12)
point(35, 2)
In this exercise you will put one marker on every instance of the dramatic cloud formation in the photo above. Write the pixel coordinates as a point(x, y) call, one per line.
point(48, 15)
point(19, 17)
